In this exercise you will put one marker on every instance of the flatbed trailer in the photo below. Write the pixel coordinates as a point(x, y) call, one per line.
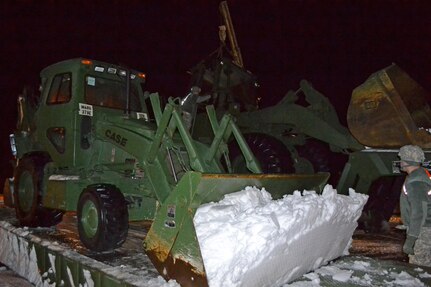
point(54, 257)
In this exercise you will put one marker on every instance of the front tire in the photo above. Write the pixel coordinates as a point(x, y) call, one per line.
point(102, 218)
point(28, 186)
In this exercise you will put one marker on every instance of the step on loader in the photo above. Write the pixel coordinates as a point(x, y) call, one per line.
point(94, 142)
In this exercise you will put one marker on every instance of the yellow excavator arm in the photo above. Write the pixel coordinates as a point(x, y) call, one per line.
point(227, 30)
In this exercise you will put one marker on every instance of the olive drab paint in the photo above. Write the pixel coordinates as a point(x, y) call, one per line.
point(116, 137)
point(103, 154)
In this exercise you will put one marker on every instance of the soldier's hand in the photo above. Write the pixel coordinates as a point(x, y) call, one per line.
point(409, 245)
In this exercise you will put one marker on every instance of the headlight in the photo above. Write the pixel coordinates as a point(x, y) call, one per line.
point(12, 144)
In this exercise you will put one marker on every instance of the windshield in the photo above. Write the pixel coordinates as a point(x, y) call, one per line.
point(111, 93)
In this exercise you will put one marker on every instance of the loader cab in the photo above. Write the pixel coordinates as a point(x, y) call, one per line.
point(232, 88)
point(76, 93)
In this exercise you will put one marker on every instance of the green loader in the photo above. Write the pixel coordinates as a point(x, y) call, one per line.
point(302, 132)
point(94, 142)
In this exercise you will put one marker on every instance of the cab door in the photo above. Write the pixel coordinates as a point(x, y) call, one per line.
point(55, 117)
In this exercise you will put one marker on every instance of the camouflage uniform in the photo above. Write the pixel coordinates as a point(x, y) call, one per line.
point(415, 203)
point(422, 248)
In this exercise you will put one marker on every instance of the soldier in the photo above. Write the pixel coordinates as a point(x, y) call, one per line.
point(415, 205)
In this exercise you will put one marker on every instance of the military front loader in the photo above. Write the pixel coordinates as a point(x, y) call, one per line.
point(302, 133)
point(94, 142)
point(298, 134)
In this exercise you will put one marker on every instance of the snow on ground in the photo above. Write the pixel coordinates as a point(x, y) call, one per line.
point(364, 271)
point(248, 239)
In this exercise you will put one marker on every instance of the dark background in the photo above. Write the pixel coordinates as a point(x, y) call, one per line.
point(334, 44)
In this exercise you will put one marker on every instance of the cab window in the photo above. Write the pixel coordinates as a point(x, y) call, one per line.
point(110, 93)
point(60, 90)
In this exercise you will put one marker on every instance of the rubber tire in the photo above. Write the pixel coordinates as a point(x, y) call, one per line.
point(112, 217)
point(384, 195)
point(316, 152)
point(323, 159)
point(32, 167)
point(272, 155)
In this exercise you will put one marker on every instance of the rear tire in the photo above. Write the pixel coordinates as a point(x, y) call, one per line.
point(272, 155)
point(102, 218)
point(317, 153)
point(383, 198)
point(323, 159)
point(28, 184)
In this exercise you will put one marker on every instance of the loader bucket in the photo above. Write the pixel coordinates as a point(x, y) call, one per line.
point(171, 242)
point(390, 110)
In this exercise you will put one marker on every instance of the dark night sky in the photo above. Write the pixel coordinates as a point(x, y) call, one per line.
point(334, 44)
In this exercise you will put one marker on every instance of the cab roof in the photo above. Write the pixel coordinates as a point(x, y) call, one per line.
point(83, 63)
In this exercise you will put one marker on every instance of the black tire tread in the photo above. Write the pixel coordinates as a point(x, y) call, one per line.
point(272, 155)
point(323, 159)
point(114, 217)
point(384, 196)
point(39, 215)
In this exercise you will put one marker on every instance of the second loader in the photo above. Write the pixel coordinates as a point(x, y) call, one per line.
point(94, 142)
point(302, 132)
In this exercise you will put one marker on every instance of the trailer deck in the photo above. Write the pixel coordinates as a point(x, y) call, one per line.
point(54, 257)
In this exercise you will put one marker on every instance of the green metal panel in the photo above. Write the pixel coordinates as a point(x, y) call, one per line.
point(144, 209)
point(64, 194)
point(56, 195)
point(304, 121)
point(68, 115)
point(364, 167)
point(23, 143)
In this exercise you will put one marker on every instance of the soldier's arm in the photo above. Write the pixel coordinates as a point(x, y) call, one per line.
point(417, 194)
point(405, 210)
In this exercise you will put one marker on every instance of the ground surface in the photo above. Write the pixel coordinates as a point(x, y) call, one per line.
point(386, 246)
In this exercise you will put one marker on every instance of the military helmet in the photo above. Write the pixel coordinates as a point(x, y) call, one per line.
point(412, 154)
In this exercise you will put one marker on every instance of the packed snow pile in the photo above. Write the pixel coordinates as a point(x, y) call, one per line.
point(248, 239)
